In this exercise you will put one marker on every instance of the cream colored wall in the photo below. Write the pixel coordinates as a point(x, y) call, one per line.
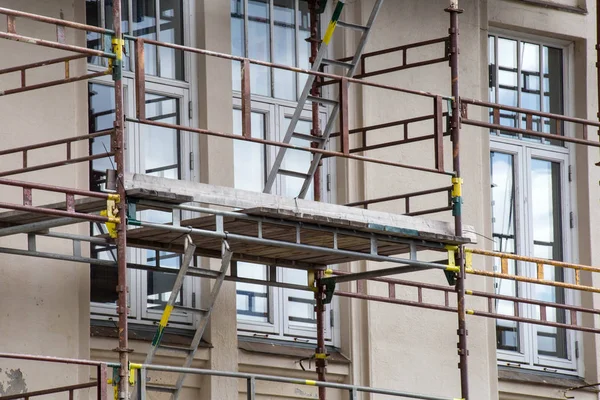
point(45, 303)
point(415, 349)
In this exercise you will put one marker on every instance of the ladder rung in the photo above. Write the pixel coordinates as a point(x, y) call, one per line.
point(309, 138)
point(202, 271)
point(352, 26)
point(160, 388)
point(338, 63)
point(183, 349)
point(322, 100)
point(293, 174)
point(190, 309)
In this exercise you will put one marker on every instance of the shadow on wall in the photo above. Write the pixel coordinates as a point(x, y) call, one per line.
point(12, 382)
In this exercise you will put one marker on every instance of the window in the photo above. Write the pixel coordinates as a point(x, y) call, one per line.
point(167, 98)
point(274, 31)
point(160, 20)
point(263, 311)
point(530, 200)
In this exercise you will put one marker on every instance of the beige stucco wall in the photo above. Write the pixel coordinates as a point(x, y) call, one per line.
point(45, 304)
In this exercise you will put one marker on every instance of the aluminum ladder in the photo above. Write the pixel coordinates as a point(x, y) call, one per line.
point(320, 60)
point(204, 313)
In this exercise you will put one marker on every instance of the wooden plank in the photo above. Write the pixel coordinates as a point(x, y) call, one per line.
point(300, 210)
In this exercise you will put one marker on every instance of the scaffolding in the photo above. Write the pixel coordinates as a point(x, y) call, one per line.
point(269, 229)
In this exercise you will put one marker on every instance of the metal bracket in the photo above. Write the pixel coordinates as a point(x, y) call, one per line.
point(329, 284)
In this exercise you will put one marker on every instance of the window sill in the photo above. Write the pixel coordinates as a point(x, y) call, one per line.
point(287, 349)
point(177, 337)
point(516, 375)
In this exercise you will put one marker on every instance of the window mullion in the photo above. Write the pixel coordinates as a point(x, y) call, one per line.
point(130, 24)
point(157, 27)
point(531, 333)
point(245, 28)
point(497, 80)
point(297, 17)
point(519, 85)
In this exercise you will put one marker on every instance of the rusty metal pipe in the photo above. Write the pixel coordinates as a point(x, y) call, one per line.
point(564, 118)
point(51, 211)
point(399, 197)
point(53, 188)
point(462, 332)
point(54, 83)
point(55, 45)
point(54, 21)
point(41, 64)
point(121, 241)
point(55, 142)
point(55, 164)
point(568, 139)
point(289, 146)
point(44, 392)
point(288, 68)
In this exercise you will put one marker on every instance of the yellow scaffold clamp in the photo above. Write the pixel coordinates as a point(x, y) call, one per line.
point(132, 368)
point(457, 196)
point(116, 65)
point(112, 212)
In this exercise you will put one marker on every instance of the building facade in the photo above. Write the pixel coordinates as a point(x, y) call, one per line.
point(531, 196)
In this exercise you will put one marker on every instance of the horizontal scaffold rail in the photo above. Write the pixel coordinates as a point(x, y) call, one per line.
point(556, 122)
point(404, 64)
point(69, 205)
point(68, 159)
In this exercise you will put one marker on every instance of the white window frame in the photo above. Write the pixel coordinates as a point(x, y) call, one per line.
point(183, 91)
point(278, 327)
point(523, 152)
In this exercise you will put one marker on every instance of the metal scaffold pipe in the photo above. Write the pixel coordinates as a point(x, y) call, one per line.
point(119, 148)
point(457, 181)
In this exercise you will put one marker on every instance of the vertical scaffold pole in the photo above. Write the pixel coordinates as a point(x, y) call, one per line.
point(119, 149)
point(454, 11)
point(598, 60)
point(315, 91)
point(320, 351)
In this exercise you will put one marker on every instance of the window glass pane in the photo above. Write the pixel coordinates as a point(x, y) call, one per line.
point(530, 84)
point(93, 16)
point(539, 86)
point(171, 31)
point(238, 47)
point(553, 89)
point(300, 303)
point(252, 300)
point(492, 68)
point(249, 174)
point(160, 152)
point(297, 161)
point(158, 284)
point(249, 158)
point(160, 146)
point(547, 242)
point(101, 110)
point(303, 44)
point(260, 46)
point(144, 25)
point(504, 234)
point(284, 45)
